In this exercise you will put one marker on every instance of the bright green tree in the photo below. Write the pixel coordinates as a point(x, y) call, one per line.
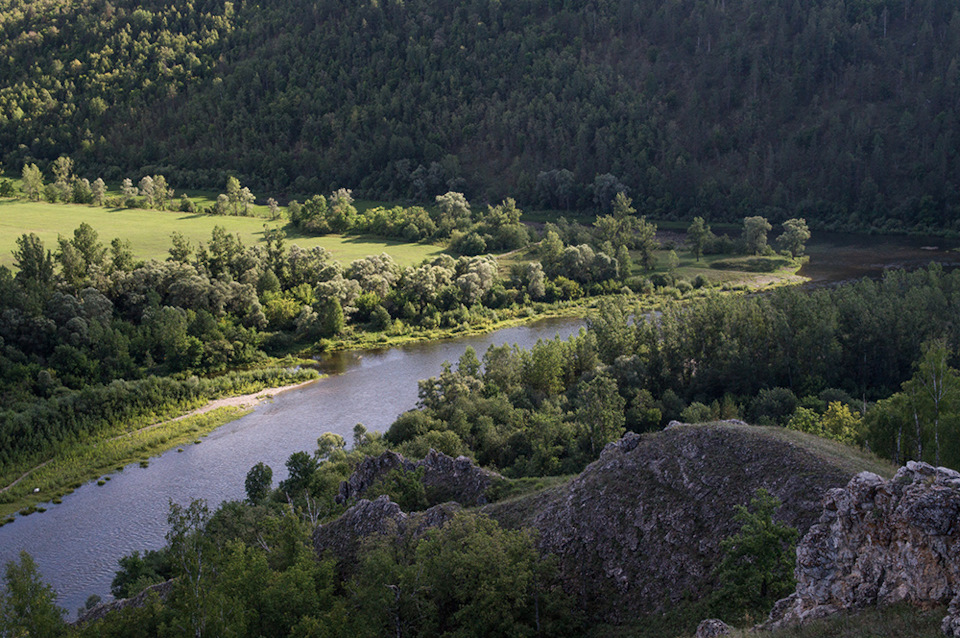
point(757, 565)
point(32, 182)
point(794, 237)
point(755, 231)
point(28, 605)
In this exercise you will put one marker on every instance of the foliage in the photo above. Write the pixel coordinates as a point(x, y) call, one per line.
point(27, 605)
point(757, 565)
point(207, 89)
point(258, 482)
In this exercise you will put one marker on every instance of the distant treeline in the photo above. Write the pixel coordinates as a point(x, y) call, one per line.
point(844, 113)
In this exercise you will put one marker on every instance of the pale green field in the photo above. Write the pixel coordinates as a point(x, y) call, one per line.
point(149, 231)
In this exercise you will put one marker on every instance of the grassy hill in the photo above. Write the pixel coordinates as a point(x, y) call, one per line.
point(637, 533)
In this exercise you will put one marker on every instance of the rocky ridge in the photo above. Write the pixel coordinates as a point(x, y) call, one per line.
point(639, 529)
point(445, 478)
point(343, 537)
point(881, 542)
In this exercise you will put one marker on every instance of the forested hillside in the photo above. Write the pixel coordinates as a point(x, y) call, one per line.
point(844, 112)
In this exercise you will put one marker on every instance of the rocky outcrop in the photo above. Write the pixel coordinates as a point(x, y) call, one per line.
point(162, 590)
point(343, 537)
point(640, 528)
point(371, 470)
point(445, 478)
point(880, 542)
point(711, 628)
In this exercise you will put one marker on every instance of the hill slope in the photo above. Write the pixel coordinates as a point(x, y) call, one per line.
point(845, 112)
point(639, 529)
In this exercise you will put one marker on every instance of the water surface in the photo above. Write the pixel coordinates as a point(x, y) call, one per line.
point(77, 544)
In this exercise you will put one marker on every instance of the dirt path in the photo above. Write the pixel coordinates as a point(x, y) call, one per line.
point(242, 401)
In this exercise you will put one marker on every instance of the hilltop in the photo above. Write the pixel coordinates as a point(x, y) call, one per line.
point(638, 531)
point(842, 112)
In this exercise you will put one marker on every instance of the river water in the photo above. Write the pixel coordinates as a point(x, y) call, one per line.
point(77, 544)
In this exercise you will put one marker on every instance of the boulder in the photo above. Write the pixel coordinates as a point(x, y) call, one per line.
point(445, 478)
point(711, 628)
point(881, 542)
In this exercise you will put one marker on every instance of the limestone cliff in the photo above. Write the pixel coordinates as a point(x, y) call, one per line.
point(879, 542)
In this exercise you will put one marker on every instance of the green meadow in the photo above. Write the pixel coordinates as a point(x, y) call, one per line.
point(149, 231)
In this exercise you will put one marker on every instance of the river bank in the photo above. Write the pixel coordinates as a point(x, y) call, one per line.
point(54, 478)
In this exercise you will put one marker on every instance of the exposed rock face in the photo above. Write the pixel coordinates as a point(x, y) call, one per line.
point(370, 470)
point(640, 528)
point(342, 537)
point(711, 628)
point(445, 478)
point(880, 542)
point(100, 611)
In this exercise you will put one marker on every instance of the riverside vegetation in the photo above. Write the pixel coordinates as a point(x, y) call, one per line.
point(99, 341)
point(547, 413)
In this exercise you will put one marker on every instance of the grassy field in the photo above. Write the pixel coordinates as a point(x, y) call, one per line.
point(149, 231)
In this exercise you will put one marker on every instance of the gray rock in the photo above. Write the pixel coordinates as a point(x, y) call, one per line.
point(712, 627)
point(881, 542)
point(162, 590)
point(640, 529)
point(343, 537)
point(445, 478)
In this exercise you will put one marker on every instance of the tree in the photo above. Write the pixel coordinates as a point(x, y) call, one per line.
point(757, 565)
point(301, 467)
point(247, 200)
point(645, 240)
point(98, 191)
point(453, 205)
point(233, 194)
point(32, 182)
point(697, 234)
point(794, 237)
point(28, 605)
point(258, 482)
point(146, 188)
point(161, 192)
point(600, 412)
point(33, 262)
point(755, 231)
point(938, 386)
point(129, 192)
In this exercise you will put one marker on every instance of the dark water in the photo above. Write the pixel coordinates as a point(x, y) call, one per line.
point(838, 257)
point(76, 544)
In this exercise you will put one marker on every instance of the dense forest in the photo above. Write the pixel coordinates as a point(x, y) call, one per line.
point(844, 113)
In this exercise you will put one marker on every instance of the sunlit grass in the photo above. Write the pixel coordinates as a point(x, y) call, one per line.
point(149, 231)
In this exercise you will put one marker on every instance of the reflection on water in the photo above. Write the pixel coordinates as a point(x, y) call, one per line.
point(77, 544)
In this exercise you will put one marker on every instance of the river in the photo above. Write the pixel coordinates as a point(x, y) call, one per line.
point(77, 544)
